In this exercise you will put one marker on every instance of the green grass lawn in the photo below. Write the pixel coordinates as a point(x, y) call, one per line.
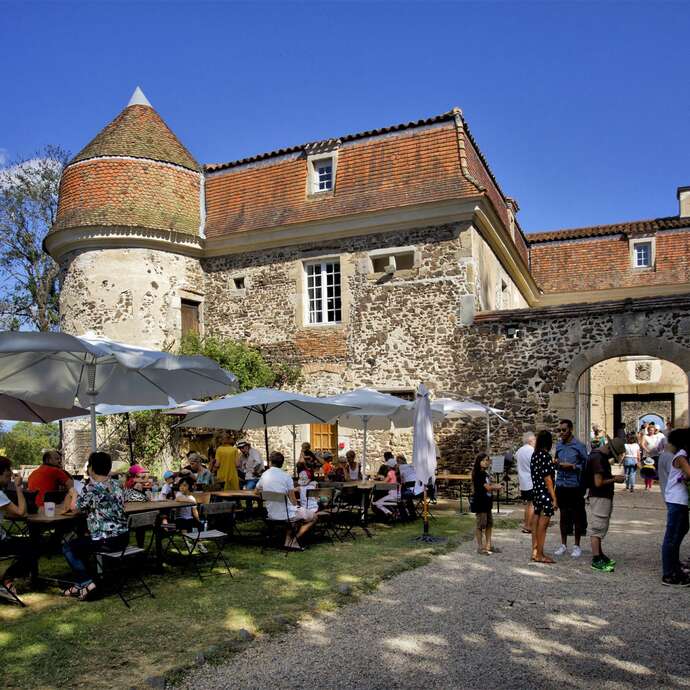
point(57, 642)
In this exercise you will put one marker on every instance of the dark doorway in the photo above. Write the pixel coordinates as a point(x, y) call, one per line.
point(629, 407)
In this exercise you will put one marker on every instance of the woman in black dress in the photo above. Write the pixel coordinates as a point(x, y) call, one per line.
point(543, 494)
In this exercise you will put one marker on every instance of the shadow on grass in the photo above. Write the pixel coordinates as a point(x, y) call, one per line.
point(58, 642)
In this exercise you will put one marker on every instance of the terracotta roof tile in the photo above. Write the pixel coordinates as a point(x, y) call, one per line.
point(139, 132)
point(634, 227)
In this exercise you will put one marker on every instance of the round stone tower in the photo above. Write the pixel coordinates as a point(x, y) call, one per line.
point(128, 231)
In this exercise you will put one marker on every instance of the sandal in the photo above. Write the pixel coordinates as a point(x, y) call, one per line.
point(72, 591)
point(546, 559)
point(526, 531)
point(9, 586)
point(87, 593)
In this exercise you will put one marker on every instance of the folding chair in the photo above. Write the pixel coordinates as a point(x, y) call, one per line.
point(5, 593)
point(326, 516)
point(352, 508)
point(120, 560)
point(280, 501)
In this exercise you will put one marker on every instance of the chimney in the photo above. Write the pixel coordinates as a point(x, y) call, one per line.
point(683, 195)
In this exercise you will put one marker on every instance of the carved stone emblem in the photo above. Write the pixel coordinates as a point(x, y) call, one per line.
point(643, 371)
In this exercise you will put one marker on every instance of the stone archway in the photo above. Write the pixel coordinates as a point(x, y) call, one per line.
point(566, 402)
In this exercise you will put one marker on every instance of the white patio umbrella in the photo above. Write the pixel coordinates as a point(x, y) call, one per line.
point(468, 409)
point(55, 368)
point(375, 410)
point(16, 410)
point(261, 408)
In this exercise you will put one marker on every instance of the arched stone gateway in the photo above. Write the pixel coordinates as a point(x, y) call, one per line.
point(530, 362)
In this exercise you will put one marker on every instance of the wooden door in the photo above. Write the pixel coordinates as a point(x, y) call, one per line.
point(190, 317)
point(324, 437)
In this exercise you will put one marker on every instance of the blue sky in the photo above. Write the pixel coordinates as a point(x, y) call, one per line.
point(581, 109)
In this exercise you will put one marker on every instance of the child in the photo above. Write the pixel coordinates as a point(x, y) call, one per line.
point(167, 488)
point(482, 503)
point(188, 516)
point(648, 473)
point(631, 461)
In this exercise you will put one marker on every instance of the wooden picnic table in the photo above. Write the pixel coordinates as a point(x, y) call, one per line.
point(237, 493)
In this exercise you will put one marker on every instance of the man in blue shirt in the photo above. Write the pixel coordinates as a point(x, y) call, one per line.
point(571, 462)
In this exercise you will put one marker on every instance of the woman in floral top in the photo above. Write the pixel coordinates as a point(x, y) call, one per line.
point(102, 501)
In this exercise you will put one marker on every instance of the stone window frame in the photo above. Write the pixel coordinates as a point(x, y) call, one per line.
point(232, 284)
point(651, 241)
point(191, 295)
point(393, 252)
point(311, 261)
point(312, 176)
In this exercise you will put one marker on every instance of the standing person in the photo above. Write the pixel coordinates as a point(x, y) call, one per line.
point(543, 494)
point(665, 462)
point(601, 481)
point(251, 464)
point(676, 496)
point(571, 463)
point(523, 456)
point(597, 437)
point(225, 463)
point(631, 461)
point(482, 503)
point(653, 444)
point(18, 547)
point(103, 503)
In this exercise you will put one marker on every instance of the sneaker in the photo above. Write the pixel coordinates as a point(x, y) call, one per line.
point(601, 566)
point(608, 560)
point(576, 552)
point(560, 550)
point(676, 581)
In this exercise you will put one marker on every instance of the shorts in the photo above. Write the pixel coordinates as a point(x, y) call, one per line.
point(303, 515)
point(601, 509)
point(527, 495)
point(485, 520)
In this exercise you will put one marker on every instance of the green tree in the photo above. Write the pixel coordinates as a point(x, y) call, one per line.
point(250, 366)
point(25, 442)
point(28, 207)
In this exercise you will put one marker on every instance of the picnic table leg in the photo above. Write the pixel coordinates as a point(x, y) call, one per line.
point(35, 540)
point(159, 548)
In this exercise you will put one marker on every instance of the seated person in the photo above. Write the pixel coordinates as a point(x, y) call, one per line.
point(383, 469)
point(103, 503)
point(327, 466)
point(188, 516)
point(202, 475)
point(408, 480)
point(167, 491)
point(353, 470)
point(311, 461)
point(274, 479)
point(18, 547)
point(339, 474)
point(251, 464)
point(390, 497)
point(135, 484)
point(49, 476)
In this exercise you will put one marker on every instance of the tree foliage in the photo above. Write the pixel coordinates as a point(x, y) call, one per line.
point(25, 442)
point(250, 366)
point(28, 208)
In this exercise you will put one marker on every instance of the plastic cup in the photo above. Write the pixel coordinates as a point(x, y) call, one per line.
point(49, 508)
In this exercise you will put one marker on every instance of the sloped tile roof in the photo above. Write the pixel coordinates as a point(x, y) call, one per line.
point(139, 132)
point(634, 227)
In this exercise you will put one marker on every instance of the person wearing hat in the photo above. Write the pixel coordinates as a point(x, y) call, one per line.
point(202, 475)
point(251, 465)
point(167, 489)
point(601, 481)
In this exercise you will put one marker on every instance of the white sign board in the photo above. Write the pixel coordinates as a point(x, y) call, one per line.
point(497, 464)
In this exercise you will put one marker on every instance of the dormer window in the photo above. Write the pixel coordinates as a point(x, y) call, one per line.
point(322, 170)
point(642, 253)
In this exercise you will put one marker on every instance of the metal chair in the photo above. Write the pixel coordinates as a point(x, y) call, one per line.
point(5, 593)
point(326, 522)
point(280, 501)
point(120, 560)
point(352, 509)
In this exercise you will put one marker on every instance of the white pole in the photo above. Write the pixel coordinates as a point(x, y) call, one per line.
point(488, 432)
point(92, 408)
point(91, 379)
point(364, 449)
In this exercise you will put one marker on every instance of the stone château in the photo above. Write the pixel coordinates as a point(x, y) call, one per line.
point(382, 258)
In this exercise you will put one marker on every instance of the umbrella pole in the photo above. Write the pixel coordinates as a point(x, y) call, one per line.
point(266, 435)
point(92, 408)
point(425, 513)
point(488, 433)
point(129, 439)
point(294, 450)
point(364, 449)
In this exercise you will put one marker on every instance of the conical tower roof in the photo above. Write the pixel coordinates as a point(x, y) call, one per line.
point(139, 132)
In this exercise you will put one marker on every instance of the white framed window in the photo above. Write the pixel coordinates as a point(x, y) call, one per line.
point(642, 253)
point(322, 171)
point(323, 298)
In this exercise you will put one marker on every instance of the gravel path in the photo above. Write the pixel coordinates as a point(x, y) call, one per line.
point(494, 622)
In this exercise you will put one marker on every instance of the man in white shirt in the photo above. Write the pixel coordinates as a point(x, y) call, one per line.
point(523, 457)
point(653, 444)
point(249, 463)
point(275, 480)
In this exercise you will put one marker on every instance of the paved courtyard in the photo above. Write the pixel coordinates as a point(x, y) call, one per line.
point(467, 620)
